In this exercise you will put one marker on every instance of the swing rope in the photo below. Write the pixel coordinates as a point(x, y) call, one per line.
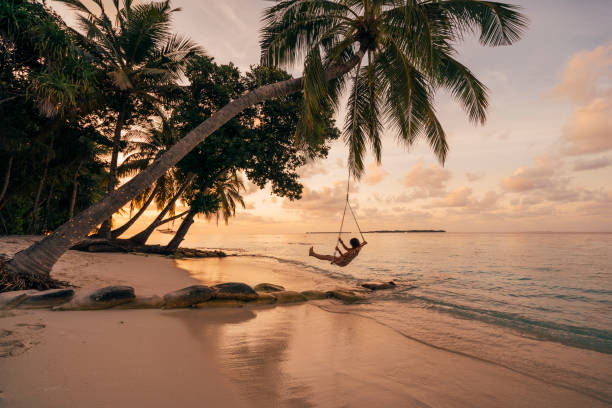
point(347, 204)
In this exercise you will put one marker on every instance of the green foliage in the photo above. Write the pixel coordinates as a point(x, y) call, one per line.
point(47, 89)
point(407, 50)
point(261, 141)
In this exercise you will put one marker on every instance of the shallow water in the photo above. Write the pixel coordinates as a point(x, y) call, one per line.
point(537, 303)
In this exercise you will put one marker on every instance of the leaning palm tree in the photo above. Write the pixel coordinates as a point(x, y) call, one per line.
point(140, 57)
point(398, 51)
point(218, 201)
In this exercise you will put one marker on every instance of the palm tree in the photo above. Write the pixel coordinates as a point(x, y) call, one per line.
point(219, 201)
point(416, 36)
point(139, 55)
point(144, 148)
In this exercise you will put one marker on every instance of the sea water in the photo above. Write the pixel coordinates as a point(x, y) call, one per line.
point(536, 303)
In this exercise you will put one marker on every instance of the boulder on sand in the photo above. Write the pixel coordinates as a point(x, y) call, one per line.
point(289, 296)
point(212, 303)
point(143, 302)
point(314, 294)
point(268, 287)
point(187, 297)
point(9, 300)
point(347, 296)
point(234, 291)
point(47, 298)
point(103, 298)
point(379, 285)
point(264, 298)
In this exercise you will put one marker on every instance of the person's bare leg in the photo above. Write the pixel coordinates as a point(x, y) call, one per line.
point(311, 252)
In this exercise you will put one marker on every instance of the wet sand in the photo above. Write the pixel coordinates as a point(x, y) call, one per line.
point(293, 356)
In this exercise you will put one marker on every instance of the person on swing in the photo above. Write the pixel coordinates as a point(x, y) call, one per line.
point(344, 258)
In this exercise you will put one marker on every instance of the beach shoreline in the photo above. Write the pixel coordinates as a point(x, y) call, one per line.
point(312, 354)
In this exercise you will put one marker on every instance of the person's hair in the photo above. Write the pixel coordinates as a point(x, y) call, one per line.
point(354, 242)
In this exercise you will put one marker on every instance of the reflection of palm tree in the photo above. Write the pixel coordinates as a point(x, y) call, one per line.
point(218, 201)
point(144, 148)
point(140, 56)
point(417, 39)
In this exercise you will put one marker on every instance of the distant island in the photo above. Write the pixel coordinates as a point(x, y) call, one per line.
point(376, 232)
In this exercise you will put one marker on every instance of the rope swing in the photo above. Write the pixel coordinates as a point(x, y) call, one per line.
point(347, 204)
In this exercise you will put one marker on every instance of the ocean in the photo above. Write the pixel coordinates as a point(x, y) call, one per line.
point(536, 303)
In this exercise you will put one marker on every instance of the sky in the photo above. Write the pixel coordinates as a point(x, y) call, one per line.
point(542, 161)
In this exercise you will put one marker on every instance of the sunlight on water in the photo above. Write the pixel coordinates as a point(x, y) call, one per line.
point(538, 303)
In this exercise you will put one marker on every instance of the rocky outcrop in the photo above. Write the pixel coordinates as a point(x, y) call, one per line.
point(220, 303)
point(234, 291)
point(264, 298)
point(314, 294)
point(47, 298)
point(188, 296)
point(9, 300)
point(268, 287)
point(103, 298)
point(143, 302)
point(289, 296)
point(347, 296)
point(379, 285)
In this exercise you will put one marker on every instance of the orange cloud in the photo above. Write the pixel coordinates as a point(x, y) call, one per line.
point(427, 181)
point(589, 130)
point(583, 75)
point(598, 163)
point(530, 178)
point(375, 174)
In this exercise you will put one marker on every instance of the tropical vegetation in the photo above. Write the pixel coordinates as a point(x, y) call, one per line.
point(389, 56)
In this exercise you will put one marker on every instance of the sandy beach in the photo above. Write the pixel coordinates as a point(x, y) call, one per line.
point(295, 356)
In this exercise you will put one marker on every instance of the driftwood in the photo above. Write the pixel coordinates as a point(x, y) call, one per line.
point(126, 245)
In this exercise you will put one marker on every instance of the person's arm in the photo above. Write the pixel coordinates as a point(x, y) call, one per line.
point(342, 242)
point(339, 251)
point(363, 243)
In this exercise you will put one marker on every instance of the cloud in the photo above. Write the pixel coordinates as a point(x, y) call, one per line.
point(589, 130)
point(584, 73)
point(427, 181)
point(326, 202)
point(531, 178)
point(587, 82)
point(311, 169)
point(598, 163)
point(462, 198)
point(375, 174)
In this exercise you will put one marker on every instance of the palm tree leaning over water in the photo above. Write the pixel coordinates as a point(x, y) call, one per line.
point(140, 57)
point(396, 53)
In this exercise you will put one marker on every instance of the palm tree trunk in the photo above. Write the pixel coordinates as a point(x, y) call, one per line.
point(117, 232)
point(105, 228)
point(7, 177)
point(182, 231)
point(35, 208)
point(141, 237)
point(75, 186)
point(40, 257)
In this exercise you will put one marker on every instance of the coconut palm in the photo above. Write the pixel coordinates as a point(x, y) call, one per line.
point(408, 45)
point(218, 201)
point(144, 148)
point(140, 56)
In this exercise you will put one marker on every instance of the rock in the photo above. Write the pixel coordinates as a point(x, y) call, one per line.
point(9, 300)
point(187, 297)
point(103, 298)
point(378, 285)
point(220, 303)
point(144, 302)
point(268, 287)
point(347, 296)
point(264, 298)
point(289, 296)
point(314, 294)
point(234, 291)
point(47, 298)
